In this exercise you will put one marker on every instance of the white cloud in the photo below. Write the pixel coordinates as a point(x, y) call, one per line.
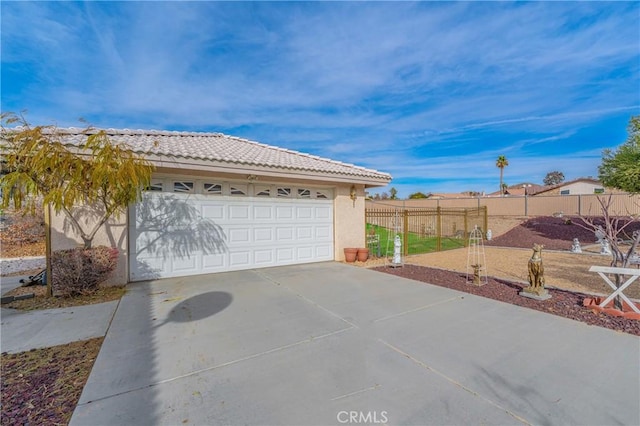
point(424, 90)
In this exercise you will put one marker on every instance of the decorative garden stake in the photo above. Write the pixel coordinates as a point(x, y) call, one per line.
point(575, 247)
point(397, 251)
point(536, 288)
point(476, 260)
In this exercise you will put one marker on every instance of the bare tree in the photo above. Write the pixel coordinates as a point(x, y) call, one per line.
point(614, 230)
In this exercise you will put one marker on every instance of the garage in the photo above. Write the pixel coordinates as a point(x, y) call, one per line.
point(190, 227)
point(220, 203)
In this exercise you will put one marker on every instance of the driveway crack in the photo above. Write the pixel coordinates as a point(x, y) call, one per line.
point(454, 382)
point(306, 299)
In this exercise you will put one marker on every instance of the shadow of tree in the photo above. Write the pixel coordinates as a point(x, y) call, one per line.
point(199, 307)
point(169, 226)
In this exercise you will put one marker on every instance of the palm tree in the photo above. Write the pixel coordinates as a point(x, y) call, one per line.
point(501, 163)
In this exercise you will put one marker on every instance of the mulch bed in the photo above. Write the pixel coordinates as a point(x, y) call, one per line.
point(43, 386)
point(562, 303)
point(556, 233)
point(41, 301)
point(22, 234)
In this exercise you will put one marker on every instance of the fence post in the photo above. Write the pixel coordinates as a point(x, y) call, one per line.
point(406, 232)
point(466, 228)
point(579, 205)
point(439, 229)
point(486, 219)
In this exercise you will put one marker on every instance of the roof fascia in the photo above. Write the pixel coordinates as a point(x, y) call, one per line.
point(195, 165)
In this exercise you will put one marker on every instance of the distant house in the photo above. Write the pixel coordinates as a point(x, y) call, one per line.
point(581, 186)
point(520, 189)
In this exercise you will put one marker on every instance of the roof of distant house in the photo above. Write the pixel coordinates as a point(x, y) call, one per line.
point(519, 189)
point(440, 195)
point(224, 151)
point(559, 185)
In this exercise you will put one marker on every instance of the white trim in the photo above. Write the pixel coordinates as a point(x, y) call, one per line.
point(248, 189)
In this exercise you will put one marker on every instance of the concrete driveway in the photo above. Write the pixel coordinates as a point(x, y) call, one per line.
point(330, 344)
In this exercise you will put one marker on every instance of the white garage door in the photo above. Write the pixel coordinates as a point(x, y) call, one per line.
point(201, 228)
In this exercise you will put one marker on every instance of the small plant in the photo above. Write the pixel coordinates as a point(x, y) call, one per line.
point(80, 271)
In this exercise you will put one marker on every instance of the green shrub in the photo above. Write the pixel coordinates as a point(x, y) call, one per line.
point(80, 271)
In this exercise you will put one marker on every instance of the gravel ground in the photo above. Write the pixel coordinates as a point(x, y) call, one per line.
point(568, 271)
point(506, 261)
point(42, 386)
point(508, 254)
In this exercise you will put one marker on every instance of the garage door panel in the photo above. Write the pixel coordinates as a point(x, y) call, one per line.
point(285, 255)
point(213, 261)
point(239, 259)
point(323, 213)
point(264, 257)
point(285, 234)
point(239, 236)
point(324, 252)
point(304, 213)
point(254, 232)
point(214, 212)
point(304, 233)
point(263, 212)
point(323, 233)
point(304, 253)
point(261, 235)
point(239, 212)
point(186, 264)
point(284, 213)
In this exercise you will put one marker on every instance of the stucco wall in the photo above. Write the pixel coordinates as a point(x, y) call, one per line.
point(576, 188)
point(112, 234)
point(349, 229)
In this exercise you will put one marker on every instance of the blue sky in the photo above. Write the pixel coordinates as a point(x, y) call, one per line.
point(430, 92)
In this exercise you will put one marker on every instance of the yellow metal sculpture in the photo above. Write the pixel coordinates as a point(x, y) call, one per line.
point(536, 276)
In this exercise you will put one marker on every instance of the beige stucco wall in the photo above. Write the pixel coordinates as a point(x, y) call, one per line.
point(576, 188)
point(349, 226)
point(112, 234)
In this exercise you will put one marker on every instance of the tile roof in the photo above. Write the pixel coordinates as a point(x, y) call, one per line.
point(566, 183)
point(518, 189)
point(219, 148)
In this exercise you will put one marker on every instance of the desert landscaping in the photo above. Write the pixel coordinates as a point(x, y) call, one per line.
point(567, 278)
point(507, 255)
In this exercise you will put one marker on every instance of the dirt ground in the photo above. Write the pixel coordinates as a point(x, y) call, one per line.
point(501, 224)
point(564, 270)
point(567, 271)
